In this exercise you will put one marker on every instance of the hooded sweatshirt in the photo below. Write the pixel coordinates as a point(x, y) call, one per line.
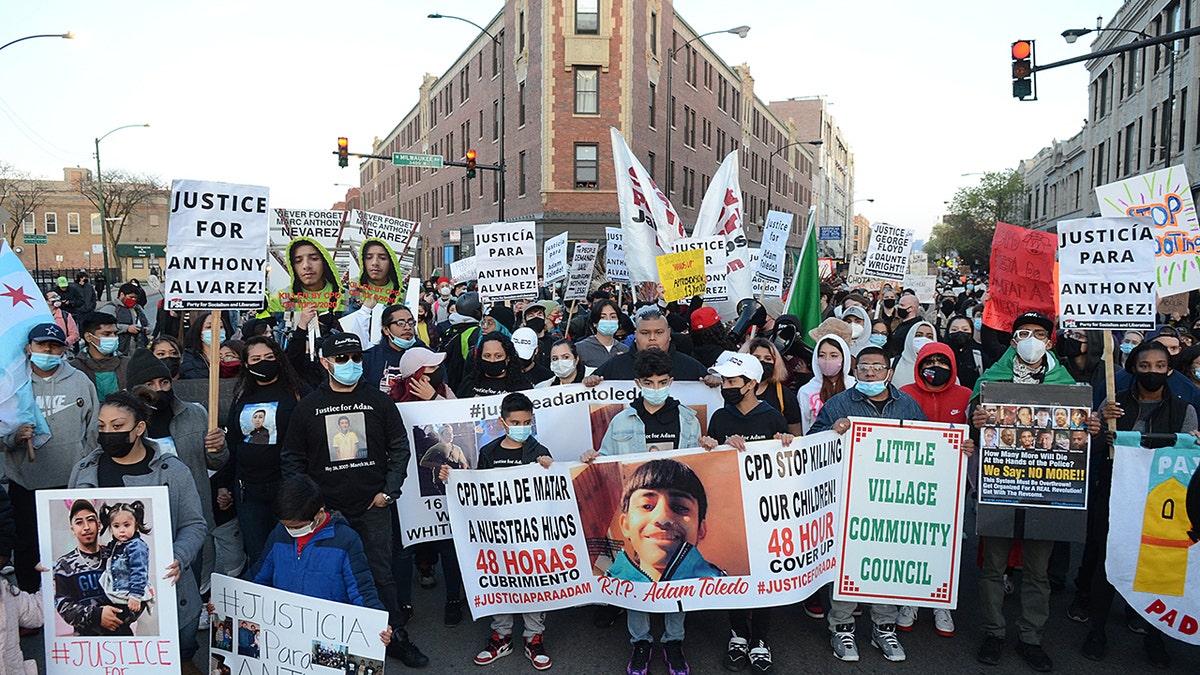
point(949, 404)
point(810, 393)
point(905, 366)
point(760, 424)
point(68, 401)
point(361, 289)
point(863, 340)
point(329, 299)
point(107, 374)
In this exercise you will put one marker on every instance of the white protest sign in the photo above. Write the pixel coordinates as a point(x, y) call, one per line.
point(774, 244)
point(216, 246)
point(1106, 270)
point(554, 259)
point(925, 286)
point(323, 226)
point(715, 270)
point(506, 260)
point(887, 255)
point(582, 263)
point(260, 629)
point(614, 256)
point(398, 233)
point(464, 270)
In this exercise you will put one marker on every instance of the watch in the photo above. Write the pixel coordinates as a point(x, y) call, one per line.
point(389, 499)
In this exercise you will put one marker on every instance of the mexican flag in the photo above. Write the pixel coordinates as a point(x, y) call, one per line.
point(804, 295)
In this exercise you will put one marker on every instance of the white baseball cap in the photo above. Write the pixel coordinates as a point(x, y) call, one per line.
point(525, 341)
point(734, 364)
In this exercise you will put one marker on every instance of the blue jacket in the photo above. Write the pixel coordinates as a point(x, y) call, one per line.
point(852, 403)
point(626, 433)
point(332, 565)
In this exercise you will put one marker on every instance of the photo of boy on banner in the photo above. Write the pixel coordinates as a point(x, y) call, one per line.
point(378, 281)
point(314, 283)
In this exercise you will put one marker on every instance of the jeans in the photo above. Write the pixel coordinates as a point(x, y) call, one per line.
point(1035, 587)
point(639, 626)
point(841, 612)
point(374, 527)
point(187, 640)
point(535, 624)
point(256, 515)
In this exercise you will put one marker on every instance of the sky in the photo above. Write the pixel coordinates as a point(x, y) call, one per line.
point(258, 92)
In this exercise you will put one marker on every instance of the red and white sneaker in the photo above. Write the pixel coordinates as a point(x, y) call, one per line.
point(495, 648)
point(535, 651)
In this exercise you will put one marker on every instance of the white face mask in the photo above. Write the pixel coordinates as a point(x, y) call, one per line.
point(563, 367)
point(919, 343)
point(856, 331)
point(1031, 350)
point(297, 532)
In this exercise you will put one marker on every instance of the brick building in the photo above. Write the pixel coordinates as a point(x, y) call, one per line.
point(573, 69)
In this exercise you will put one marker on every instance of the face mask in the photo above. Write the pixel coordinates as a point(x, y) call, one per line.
point(347, 373)
point(264, 371)
point(206, 336)
point(608, 327)
point(402, 343)
point(1196, 374)
point(829, 367)
point(870, 389)
point(936, 375)
point(1072, 348)
point(172, 364)
point(948, 306)
point(889, 303)
point(656, 396)
point(520, 434)
point(435, 378)
point(856, 330)
point(768, 370)
point(732, 395)
point(115, 444)
point(958, 340)
point(493, 368)
point(978, 324)
point(57, 304)
point(166, 402)
point(1127, 347)
point(297, 532)
point(45, 361)
point(877, 339)
point(107, 345)
point(563, 367)
point(537, 324)
point(1151, 381)
point(445, 291)
point(1031, 350)
point(919, 343)
point(903, 312)
point(129, 302)
point(230, 368)
point(970, 287)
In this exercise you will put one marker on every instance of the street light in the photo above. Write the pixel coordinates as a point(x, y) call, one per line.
point(66, 36)
point(1073, 34)
point(771, 164)
point(503, 114)
point(103, 214)
point(739, 31)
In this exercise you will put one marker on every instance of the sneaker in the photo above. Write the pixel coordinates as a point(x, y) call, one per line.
point(1009, 589)
point(1078, 611)
point(496, 647)
point(1156, 650)
point(884, 638)
point(814, 608)
point(454, 613)
point(639, 660)
point(737, 655)
point(403, 649)
point(760, 659)
point(205, 622)
point(426, 578)
point(943, 622)
point(1035, 657)
point(673, 657)
point(1093, 646)
point(842, 641)
point(606, 615)
point(989, 652)
point(1135, 623)
point(905, 618)
point(535, 651)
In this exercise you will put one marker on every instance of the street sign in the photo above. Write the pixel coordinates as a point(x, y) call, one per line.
point(35, 239)
point(416, 159)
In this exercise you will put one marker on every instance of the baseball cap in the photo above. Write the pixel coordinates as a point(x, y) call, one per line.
point(525, 341)
point(705, 317)
point(341, 343)
point(1035, 318)
point(550, 305)
point(733, 364)
point(48, 332)
point(61, 282)
point(416, 358)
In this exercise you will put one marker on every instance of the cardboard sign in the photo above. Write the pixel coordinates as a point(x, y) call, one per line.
point(506, 259)
point(216, 246)
point(716, 287)
point(1106, 272)
point(925, 286)
point(773, 254)
point(583, 261)
point(682, 274)
point(887, 254)
point(614, 256)
point(1022, 275)
point(554, 259)
point(1174, 304)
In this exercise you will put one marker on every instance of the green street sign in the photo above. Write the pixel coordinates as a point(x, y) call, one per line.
point(35, 239)
point(415, 159)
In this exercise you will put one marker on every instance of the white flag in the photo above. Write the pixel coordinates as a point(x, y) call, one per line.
point(649, 223)
point(721, 214)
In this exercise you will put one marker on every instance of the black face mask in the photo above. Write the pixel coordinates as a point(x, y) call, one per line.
point(263, 371)
point(166, 399)
point(889, 302)
point(493, 368)
point(172, 364)
point(958, 340)
point(936, 375)
point(435, 378)
point(903, 312)
point(1151, 381)
point(732, 395)
point(947, 306)
point(536, 324)
point(115, 444)
point(1072, 348)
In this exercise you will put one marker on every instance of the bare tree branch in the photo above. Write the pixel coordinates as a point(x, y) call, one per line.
point(21, 195)
point(124, 192)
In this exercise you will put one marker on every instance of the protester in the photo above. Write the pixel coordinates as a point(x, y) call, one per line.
point(860, 331)
point(596, 349)
point(968, 355)
point(19, 610)
point(528, 347)
point(565, 363)
point(495, 369)
point(886, 311)
point(1130, 340)
point(908, 310)
point(880, 333)
point(427, 331)
point(710, 338)
point(652, 331)
point(200, 346)
point(534, 318)
point(398, 334)
point(831, 376)
point(920, 334)
point(62, 317)
point(80, 297)
point(166, 349)
point(771, 389)
point(99, 358)
point(461, 335)
point(133, 329)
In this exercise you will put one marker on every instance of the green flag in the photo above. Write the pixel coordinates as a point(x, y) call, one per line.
point(804, 296)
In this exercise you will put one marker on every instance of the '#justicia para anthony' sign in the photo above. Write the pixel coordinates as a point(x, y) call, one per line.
point(1106, 274)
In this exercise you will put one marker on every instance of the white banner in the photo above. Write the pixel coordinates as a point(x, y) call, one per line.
point(649, 223)
point(506, 257)
point(216, 246)
point(614, 256)
point(924, 285)
point(583, 261)
point(715, 266)
point(97, 572)
point(1106, 272)
point(887, 254)
point(258, 629)
point(721, 215)
point(398, 233)
point(323, 226)
point(774, 249)
point(464, 270)
point(554, 259)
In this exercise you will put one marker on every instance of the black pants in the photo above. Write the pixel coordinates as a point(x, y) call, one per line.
point(1102, 592)
point(374, 527)
point(26, 553)
point(751, 624)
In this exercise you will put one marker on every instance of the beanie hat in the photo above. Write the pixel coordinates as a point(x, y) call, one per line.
point(143, 367)
point(504, 316)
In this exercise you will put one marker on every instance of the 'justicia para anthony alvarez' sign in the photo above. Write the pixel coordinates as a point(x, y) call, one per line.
point(1106, 273)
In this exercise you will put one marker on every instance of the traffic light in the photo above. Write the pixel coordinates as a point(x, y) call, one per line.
point(343, 151)
point(1022, 70)
point(470, 164)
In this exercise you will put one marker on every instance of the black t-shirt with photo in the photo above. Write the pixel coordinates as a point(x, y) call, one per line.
point(662, 426)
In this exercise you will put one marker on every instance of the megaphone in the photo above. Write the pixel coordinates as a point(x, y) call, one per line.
point(750, 313)
point(786, 335)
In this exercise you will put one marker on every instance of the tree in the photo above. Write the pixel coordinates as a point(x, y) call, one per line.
point(124, 192)
point(971, 222)
point(20, 195)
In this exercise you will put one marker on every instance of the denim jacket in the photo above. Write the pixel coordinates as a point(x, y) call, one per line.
point(626, 433)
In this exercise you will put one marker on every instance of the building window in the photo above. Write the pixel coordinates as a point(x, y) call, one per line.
point(650, 163)
point(29, 225)
point(690, 134)
point(495, 58)
point(495, 120)
point(521, 105)
point(95, 221)
point(521, 174)
point(587, 17)
point(466, 193)
point(465, 83)
point(51, 221)
point(671, 178)
point(587, 166)
point(73, 221)
point(689, 66)
point(587, 90)
point(521, 31)
point(481, 124)
point(653, 105)
point(654, 33)
point(1182, 107)
point(671, 112)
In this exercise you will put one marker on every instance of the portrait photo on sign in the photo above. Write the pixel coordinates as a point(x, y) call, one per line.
point(103, 553)
point(361, 665)
point(601, 415)
point(258, 424)
point(438, 445)
point(346, 436)
point(329, 654)
point(217, 665)
point(221, 632)
point(247, 639)
point(664, 519)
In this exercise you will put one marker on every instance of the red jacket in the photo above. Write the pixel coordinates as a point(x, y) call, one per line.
point(949, 404)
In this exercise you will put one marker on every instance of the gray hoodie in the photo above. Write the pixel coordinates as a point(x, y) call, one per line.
point(189, 426)
point(68, 401)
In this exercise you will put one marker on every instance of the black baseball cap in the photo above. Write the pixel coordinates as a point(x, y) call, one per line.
point(48, 332)
point(1035, 318)
point(341, 343)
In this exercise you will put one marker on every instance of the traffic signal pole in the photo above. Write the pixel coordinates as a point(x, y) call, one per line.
point(1138, 44)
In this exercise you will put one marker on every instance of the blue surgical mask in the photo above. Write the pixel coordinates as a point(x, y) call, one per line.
point(870, 389)
point(1127, 347)
point(402, 343)
point(348, 373)
point(207, 337)
point(656, 397)
point(607, 326)
point(1196, 374)
point(877, 339)
point(45, 361)
point(108, 345)
point(520, 434)
point(978, 324)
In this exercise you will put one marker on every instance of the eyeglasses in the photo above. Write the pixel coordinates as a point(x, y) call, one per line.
point(872, 368)
point(404, 323)
point(343, 358)
point(1025, 334)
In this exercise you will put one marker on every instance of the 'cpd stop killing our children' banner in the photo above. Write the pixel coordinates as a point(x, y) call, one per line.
point(103, 563)
point(1154, 518)
point(258, 629)
point(902, 515)
point(1106, 274)
point(506, 259)
point(450, 433)
point(750, 529)
point(216, 246)
point(887, 254)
